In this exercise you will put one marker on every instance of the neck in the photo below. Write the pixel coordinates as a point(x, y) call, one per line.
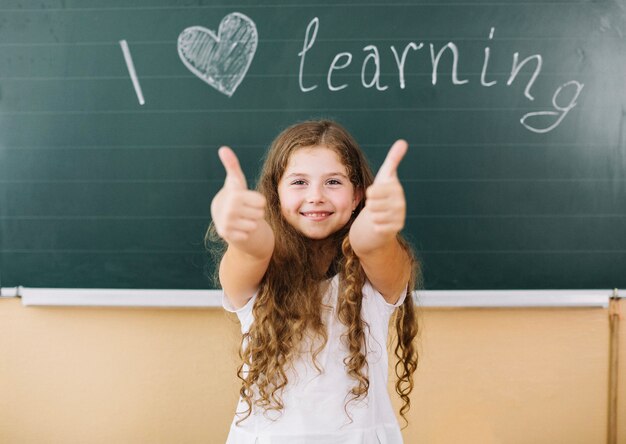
point(323, 252)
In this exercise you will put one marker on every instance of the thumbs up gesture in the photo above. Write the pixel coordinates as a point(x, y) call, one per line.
point(385, 200)
point(236, 211)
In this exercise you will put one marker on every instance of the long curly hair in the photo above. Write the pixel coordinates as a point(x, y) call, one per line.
point(289, 305)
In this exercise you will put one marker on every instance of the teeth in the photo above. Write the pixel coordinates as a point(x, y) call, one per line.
point(316, 214)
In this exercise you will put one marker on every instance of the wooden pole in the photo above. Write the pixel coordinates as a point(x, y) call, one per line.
point(614, 318)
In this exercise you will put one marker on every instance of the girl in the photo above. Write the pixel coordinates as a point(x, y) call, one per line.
point(314, 269)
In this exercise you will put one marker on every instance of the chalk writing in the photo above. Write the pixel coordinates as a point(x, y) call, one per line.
point(538, 122)
point(483, 72)
point(131, 70)
point(220, 60)
point(400, 61)
point(516, 68)
point(455, 60)
point(563, 109)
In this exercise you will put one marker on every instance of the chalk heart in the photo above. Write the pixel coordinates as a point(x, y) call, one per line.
point(220, 60)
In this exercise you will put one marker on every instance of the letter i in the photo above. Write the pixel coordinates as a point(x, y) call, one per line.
point(482, 74)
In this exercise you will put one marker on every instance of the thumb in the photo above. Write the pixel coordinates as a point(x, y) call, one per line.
point(389, 169)
point(234, 174)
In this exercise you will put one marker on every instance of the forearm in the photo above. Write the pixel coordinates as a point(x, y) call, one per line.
point(244, 264)
point(386, 264)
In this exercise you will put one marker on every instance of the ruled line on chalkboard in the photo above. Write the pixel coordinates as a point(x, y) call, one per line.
point(201, 251)
point(215, 145)
point(409, 216)
point(295, 6)
point(208, 181)
point(402, 39)
point(521, 251)
point(37, 181)
point(309, 76)
point(107, 217)
point(279, 110)
point(515, 216)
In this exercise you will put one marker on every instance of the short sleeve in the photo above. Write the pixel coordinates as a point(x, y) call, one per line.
point(244, 313)
point(377, 298)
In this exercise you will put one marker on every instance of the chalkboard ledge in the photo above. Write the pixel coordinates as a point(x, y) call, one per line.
point(105, 297)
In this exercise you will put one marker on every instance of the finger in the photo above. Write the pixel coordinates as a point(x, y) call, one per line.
point(251, 213)
point(234, 174)
point(253, 199)
point(380, 217)
point(389, 169)
point(243, 225)
point(388, 228)
point(379, 206)
point(237, 236)
point(383, 190)
point(386, 216)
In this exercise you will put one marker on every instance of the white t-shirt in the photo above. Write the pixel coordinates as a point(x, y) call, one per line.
point(314, 403)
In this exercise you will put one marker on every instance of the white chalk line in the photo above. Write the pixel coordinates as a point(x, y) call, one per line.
point(131, 70)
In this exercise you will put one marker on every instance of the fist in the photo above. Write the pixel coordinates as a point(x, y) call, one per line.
point(385, 200)
point(235, 210)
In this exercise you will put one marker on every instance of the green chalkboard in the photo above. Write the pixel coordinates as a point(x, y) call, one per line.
point(514, 111)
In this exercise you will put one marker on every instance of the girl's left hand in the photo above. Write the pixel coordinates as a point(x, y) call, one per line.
point(385, 200)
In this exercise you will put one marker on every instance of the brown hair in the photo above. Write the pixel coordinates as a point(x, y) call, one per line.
point(289, 301)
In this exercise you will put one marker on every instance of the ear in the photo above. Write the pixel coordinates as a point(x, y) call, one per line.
point(358, 197)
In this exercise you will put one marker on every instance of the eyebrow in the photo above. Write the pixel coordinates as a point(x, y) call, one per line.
point(325, 175)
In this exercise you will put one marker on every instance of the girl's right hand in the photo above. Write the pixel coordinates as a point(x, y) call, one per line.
point(236, 211)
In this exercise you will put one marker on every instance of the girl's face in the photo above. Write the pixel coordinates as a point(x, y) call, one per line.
point(316, 195)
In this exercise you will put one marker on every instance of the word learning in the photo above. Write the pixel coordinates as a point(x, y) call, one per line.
point(563, 99)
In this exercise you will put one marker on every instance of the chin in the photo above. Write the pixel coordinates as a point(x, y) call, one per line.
point(315, 236)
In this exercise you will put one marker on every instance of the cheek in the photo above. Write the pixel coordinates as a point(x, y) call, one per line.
point(288, 203)
point(349, 201)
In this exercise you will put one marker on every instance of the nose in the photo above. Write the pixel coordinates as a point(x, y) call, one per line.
point(315, 194)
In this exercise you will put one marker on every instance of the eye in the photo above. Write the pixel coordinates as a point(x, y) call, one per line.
point(333, 182)
point(298, 182)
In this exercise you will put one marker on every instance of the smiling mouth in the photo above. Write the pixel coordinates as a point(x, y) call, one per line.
point(316, 215)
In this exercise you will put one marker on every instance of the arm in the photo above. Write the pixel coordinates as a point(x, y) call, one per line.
point(373, 234)
point(387, 266)
point(239, 218)
point(241, 272)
